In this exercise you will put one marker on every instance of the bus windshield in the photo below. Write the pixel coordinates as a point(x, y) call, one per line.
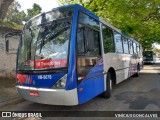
point(45, 41)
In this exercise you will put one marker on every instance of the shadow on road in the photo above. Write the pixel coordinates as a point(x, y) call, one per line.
point(138, 100)
point(7, 89)
point(146, 91)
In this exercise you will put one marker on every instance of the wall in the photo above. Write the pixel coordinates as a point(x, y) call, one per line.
point(7, 62)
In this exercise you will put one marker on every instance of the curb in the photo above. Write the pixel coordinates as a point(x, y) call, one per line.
point(11, 102)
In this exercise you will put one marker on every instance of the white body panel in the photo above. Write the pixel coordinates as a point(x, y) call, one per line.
point(125, 65)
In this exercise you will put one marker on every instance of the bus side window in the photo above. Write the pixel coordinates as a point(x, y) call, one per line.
point(108, 40)
point(138, 51)
point(118, 42)
point(135, 48)
point(92, 44)
point(87, 41)
point(130, 47)
point(125, 45)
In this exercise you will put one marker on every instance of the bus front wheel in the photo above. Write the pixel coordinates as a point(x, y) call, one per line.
point(107, 93)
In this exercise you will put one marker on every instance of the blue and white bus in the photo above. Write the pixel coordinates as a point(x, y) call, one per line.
point(68, 56)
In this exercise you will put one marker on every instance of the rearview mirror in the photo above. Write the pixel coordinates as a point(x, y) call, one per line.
point(7, 46)
point(12, 41)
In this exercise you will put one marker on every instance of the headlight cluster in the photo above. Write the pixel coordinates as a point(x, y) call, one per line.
point(61, 83)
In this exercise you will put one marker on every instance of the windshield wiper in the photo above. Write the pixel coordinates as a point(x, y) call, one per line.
point(57, 34)
point(51, 35)
point(47, 28)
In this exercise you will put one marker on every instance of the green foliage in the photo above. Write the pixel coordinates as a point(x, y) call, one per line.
point(35, 10)
point(15, 16)
point(138, 18)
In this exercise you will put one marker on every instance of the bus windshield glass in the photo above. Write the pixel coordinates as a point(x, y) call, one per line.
point(45, 41)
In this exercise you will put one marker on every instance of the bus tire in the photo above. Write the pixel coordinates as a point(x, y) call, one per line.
point(137, 73)
point(107, 93)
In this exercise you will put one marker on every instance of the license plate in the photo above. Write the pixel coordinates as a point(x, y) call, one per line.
point(34, 93)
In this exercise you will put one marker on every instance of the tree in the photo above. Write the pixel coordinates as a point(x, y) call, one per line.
point(35, 10)
point(137, 18)
point(14, 16)
point(4, 7)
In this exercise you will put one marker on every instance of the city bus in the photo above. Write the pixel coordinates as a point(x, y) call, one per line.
point(149, 57)
point(69, 55)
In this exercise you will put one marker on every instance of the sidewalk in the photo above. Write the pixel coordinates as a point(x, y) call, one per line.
point(8, 93)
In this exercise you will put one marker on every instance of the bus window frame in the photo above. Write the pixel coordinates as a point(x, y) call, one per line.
point(116, 51)
point(102, 24)
point(134, 45)
point(130, 46)
point(127, 45)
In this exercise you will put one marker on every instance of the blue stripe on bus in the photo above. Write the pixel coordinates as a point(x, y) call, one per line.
point(42, 82)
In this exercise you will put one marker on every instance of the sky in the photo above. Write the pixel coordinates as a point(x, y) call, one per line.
point(46, 5)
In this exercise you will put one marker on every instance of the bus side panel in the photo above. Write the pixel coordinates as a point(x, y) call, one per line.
point(99, 78)
point(122, 66)
point(85, 91)
point(98, 85)
point(133, 65)
point(93, 84)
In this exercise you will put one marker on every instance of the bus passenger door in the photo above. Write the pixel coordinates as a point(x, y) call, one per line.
point(89, 64)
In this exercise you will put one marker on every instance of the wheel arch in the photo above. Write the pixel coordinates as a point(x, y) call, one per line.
point(113, 75)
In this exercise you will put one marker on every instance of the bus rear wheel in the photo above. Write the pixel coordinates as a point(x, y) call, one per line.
point(107, 93)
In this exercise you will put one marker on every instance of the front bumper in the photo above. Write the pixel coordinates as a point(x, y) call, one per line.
point(49, 96)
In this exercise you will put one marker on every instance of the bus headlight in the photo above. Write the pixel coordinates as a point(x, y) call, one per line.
point(61, 83)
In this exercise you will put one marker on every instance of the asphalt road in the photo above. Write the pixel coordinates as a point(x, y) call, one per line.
point(134, 94)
